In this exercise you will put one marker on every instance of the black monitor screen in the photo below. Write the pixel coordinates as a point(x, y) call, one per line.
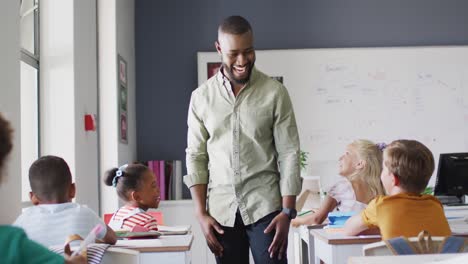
point(452, 174)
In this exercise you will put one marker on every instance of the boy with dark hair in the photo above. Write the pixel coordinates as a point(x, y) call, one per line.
point(407, 168)
point(53, 216)
point(50, 180)
point(15, 247)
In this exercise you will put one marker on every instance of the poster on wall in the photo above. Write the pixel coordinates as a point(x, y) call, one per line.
point(123, 99)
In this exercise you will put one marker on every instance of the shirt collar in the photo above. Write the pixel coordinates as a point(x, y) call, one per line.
point(223, 80)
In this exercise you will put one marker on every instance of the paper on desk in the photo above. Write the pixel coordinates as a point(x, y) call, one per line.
point(174, 228)
point(458, 225)
point(460, 258)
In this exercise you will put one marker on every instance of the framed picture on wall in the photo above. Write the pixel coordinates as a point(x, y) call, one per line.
point(123, 128)
point(122, 94)
point(123, 98)
point(212, 68)
point(122, 70)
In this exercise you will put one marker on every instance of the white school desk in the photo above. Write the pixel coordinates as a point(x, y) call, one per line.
point(336, 248)
point(165, 249)
point(411, 259)
point(304, 244)
point(455, 215)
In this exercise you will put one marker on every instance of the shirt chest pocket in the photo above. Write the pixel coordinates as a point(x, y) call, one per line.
point(217, 123)
point(257, 122)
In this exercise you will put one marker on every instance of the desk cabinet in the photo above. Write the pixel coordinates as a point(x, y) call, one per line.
point(181, 212)
point(165, 249)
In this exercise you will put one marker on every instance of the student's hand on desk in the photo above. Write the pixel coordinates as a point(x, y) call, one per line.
point(280, 242)
point(298, 221)
point(208, 224)
point(309, 219)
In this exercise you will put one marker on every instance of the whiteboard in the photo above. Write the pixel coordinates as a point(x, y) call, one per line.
point(379, 94)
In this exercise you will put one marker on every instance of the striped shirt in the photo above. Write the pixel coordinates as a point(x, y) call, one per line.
point(94, 252)
point(139, 219)
point(342, 191)
point(51, 224)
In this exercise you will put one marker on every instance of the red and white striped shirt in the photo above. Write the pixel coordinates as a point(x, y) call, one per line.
point(139, 219)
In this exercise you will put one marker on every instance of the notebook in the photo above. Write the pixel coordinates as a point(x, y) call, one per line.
point(124, 234)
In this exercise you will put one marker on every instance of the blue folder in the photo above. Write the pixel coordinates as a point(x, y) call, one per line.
point(337, 219)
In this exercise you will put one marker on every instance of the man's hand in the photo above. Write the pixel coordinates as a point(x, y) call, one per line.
point(280, 242)
point(208, 224)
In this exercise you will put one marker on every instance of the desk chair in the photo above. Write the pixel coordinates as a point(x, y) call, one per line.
point(422, 244)
point(156, 214)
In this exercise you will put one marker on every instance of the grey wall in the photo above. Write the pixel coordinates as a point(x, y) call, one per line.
point(169, 33)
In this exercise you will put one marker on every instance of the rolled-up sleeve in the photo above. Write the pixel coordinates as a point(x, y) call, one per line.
point(196, 152)
point(287, 145)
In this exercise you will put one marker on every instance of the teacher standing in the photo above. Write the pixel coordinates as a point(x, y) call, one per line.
point(242, 154)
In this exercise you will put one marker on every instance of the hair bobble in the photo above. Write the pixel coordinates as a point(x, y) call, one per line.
point(118, 174)
point(381, 146)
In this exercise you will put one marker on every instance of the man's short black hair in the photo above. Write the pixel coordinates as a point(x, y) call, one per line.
point(50, 178)
point(235, 25)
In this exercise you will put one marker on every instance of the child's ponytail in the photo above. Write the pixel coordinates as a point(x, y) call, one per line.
point(109, 176)
point(125, 179)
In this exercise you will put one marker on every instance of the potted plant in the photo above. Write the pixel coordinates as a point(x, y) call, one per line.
point(303, 161)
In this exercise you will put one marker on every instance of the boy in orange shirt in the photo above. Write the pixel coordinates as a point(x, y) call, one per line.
point(407, 168)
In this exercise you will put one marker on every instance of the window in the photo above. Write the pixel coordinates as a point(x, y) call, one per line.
point(29, 85)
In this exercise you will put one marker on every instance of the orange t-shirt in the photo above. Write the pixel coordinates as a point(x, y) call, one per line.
point(406, 215)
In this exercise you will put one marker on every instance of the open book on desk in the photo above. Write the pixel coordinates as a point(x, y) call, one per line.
point(174, 230)
point(162, 231)
point(125, 234)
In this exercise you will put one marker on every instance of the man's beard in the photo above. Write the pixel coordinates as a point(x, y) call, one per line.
point(232, 77)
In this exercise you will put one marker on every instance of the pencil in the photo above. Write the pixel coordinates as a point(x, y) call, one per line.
point(306, 212)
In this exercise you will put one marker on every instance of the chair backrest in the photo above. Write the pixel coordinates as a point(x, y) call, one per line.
point(156, 214)
point(381, 249)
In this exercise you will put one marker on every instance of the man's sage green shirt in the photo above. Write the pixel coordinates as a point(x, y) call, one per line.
point(246, 148)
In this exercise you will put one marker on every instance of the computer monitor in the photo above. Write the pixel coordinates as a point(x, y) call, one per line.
point(452, 175)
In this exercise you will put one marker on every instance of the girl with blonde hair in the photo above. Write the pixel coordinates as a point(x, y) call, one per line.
point(360, 167)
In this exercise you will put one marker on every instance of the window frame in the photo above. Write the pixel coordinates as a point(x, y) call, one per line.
point(33, 60)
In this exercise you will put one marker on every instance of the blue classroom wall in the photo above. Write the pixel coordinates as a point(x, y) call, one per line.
point(168, 34)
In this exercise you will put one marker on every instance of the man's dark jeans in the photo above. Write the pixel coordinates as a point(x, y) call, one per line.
point(236, 241)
